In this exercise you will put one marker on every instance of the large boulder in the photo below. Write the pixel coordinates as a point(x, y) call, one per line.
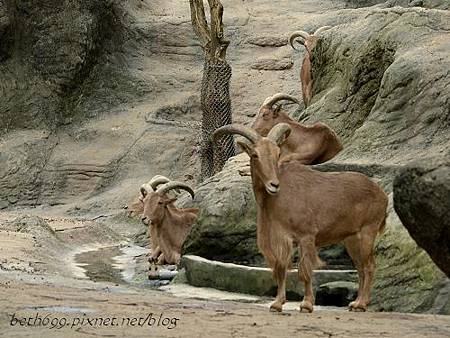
point(421, 199)
point(226, 227)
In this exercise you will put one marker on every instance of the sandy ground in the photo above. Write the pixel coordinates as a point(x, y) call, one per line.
point(83, 307)
point(43, 294)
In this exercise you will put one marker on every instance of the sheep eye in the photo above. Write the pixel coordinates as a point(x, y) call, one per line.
point(254, 155)
point(160, 202)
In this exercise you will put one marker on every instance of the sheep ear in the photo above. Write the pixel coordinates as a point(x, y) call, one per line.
point(282, 138)
point(276, 111)
point(143, 192)
point(245, 147)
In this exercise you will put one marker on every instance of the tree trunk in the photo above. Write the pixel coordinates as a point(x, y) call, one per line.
point(215, 93)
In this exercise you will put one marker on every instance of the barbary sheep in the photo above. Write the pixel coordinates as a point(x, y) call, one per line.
point(307, 144)
point(296, 204)
point(137, 206)
point(310, 42)
point(171, 225)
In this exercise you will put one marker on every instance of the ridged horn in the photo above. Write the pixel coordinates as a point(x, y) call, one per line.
point(321, 29)
point(279, 130)
point(153, 184)
point(271, 100)
point(175, 185)
point(247, 132)
point(144, 189)
point(157, 180)
point(298, 34)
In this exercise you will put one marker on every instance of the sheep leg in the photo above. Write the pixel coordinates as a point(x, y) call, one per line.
point(368, 263)
point(153, 238)
point(161, 259)
point(353, 247)
point(308, 260)
point(176, 257)
point(173, 257)
point(367, 266)
point(280, 274)
point(155, 254)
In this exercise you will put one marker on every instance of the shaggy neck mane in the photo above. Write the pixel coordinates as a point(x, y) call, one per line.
point(258, 187)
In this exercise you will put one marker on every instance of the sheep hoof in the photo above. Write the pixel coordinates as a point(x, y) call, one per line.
point(276, 307)
point(357, 307)
point(306, 307)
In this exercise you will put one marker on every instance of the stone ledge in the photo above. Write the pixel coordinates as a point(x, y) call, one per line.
point(258, 281)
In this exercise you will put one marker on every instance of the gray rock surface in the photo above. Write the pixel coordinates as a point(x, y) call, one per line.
point(437, 4)
point(339, 293)
point(421, 199)
point(272, 64)
point(225, 229)
point(388, 98)
point(34, 225)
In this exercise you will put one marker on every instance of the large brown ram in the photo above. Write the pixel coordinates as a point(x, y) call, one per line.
point(296, 204)
point(170, 225)
point(307, 144)
point(310, 42)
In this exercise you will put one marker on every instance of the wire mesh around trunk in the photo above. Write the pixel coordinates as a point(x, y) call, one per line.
point(216, 108)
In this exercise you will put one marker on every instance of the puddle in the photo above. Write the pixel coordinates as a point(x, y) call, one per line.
point(126, 261)
point(113, 264)
point(117, 264)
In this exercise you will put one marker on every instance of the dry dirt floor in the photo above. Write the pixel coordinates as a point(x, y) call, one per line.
point(44, 293)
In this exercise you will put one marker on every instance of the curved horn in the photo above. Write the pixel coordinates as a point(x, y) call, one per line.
point(157, 180)
point(144, 190)
point(247, 132)
point(271, 100)
point(175, 185)
point(278, 131)
point(321, 29)
point(298, 34)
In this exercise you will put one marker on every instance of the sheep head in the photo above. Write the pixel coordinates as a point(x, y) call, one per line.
point(156, 203)
point(269, 115)
point(137, 206)
point(306, 39)
point(264, 152)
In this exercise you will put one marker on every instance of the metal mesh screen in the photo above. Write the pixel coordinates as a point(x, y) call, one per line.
point(216, 107)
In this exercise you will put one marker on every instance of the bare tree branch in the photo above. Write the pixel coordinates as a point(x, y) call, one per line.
point(199, 22)
point(212, 39)
point(220, 44)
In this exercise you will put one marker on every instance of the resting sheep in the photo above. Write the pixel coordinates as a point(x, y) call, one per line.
point(310, 42)
point(307, 144)
point(170, 225)
point(137, 206)
point(296, 204)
